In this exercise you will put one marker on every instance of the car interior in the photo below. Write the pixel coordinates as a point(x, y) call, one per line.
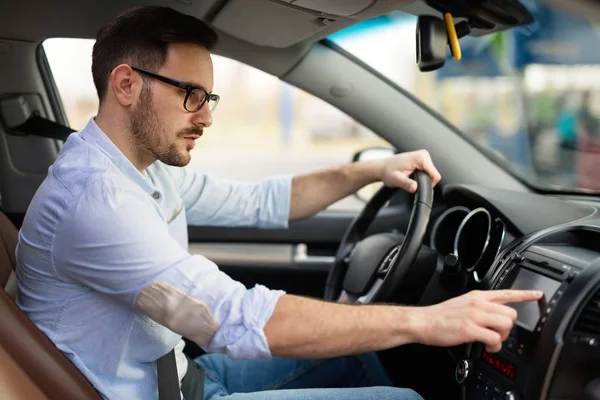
point(483, 227)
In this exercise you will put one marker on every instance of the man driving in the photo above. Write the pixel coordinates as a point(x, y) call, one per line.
point(104, 270)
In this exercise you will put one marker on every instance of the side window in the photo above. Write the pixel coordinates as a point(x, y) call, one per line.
point(262, 126)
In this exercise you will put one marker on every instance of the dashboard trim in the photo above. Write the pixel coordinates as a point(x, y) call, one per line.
point(498, 250)
point(442, 218)
point(464, 222)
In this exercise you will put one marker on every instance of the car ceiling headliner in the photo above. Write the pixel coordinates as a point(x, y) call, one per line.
point(37, 20)
point(272, 35)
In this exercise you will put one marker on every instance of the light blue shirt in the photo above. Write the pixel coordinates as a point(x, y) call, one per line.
point(98, 231)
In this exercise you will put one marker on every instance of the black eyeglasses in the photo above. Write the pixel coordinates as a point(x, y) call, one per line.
point(195, 96)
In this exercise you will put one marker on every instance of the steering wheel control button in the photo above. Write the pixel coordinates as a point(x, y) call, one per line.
point(509, 396)
point(464, 369)
point(388, 261)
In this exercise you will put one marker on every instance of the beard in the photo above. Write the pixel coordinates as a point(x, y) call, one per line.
point(151, 139)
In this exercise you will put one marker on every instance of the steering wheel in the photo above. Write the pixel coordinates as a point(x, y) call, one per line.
point(368, 270)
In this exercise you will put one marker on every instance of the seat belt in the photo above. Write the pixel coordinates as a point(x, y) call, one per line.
point(18, 117)
point(168, 380)
point(39, 126)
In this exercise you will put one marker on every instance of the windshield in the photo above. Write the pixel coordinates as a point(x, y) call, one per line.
point(530, 96)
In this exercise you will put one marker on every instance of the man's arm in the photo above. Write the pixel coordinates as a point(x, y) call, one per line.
point(307, 328)
point(111, 240)
point(314, 192)
point(218, 202)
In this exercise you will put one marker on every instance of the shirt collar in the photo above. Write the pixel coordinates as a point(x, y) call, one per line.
point(96, 137)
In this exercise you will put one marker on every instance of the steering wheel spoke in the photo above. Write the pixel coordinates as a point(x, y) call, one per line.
point(346, 255)
point(371, 294)
point(347, 298)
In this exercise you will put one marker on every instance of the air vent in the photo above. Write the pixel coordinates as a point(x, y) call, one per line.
point(508, 250)
point(505, 255)
point(589, 320)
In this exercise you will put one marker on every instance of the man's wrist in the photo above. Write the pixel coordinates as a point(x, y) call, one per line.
point(411, 324)
point(371, 171)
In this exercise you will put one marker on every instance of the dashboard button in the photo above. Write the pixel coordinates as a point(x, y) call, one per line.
point(520, 350)
point(509, 396)
point(510, 344)
point(518, 258)
point(590, 341)
point(464, 370)
point(572, 275)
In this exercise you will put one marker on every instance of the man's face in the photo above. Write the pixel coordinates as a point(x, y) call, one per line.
point(160, 125)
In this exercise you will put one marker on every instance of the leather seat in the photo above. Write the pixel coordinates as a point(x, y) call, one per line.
point(33, 353)
point(14, 382)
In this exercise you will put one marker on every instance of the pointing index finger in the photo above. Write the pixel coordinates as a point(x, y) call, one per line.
point(513, 296)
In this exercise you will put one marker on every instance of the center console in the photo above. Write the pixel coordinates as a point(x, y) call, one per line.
point(553, 351)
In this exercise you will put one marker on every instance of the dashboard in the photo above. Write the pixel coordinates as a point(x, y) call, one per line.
point(508, 240)
point(474, 236)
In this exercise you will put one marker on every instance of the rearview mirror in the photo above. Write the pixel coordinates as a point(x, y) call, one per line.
point(372, 153)
point(432, 42)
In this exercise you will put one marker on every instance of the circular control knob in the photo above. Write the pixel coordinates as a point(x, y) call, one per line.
point(509, 396)
point(464, 369)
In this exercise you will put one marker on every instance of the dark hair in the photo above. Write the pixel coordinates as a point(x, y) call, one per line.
point(141, 36)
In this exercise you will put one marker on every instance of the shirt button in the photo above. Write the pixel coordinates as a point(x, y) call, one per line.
point(156, 195)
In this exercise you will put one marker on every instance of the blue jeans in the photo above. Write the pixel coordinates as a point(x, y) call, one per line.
point(349, 378)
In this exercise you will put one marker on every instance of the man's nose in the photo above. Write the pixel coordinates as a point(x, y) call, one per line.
point(203, 116)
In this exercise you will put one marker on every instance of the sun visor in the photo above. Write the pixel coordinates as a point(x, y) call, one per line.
point(267, 23)
point(343, 8)
point(282, 23)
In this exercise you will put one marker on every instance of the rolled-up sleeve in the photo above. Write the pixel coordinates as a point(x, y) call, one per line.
point(113, 241)
point(218, 202)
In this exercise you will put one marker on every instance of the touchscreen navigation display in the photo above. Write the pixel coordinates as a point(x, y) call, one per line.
point(529, 313)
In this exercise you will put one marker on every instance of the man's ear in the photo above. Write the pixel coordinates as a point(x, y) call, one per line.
point(125, 84)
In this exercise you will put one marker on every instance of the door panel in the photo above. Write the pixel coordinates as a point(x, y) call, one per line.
point(266, 256)
point(326, 228)
point(296, 259)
